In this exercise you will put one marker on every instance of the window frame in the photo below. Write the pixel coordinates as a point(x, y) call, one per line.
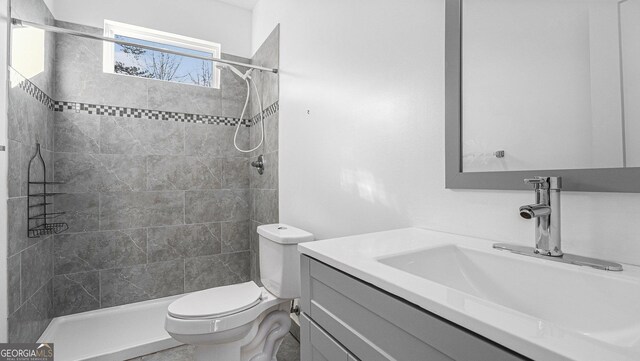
point(113, 28)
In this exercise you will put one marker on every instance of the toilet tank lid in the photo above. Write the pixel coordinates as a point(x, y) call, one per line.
point(284, 234)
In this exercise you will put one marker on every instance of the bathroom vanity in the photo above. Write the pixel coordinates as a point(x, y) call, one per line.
point(344, 317)
point(414, 294)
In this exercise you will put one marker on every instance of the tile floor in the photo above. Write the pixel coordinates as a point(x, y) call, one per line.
point(289, 351)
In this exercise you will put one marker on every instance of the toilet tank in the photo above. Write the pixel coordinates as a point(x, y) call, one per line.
point(280, 260)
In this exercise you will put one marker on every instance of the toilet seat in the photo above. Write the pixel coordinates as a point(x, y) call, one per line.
point(216, 302)
point(177, 326)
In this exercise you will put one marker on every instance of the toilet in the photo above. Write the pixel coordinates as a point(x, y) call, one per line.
point(244, 322)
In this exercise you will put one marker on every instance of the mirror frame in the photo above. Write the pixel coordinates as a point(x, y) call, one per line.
point(580, 180)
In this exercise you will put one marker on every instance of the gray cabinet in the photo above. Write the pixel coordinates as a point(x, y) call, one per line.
point(346, 319)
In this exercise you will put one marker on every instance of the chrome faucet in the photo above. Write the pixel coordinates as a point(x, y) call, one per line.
point(546, 212)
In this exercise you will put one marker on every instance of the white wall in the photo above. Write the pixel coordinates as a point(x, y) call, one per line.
point(370, 155)
point(203, 19)
point(4, 191)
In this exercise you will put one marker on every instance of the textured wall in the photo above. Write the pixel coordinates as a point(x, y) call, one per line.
point(157, 207)
point(264, 188)
point(30, 261)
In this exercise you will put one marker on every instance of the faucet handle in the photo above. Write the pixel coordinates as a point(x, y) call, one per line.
point(545, 182)
point(538, 182)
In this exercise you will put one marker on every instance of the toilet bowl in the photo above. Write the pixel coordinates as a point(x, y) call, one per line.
point(224, 322)
point(244, 322)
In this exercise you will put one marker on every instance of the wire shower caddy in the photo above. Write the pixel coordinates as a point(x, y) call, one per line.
point(38, 215)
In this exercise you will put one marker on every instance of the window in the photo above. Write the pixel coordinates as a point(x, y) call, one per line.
point(136, 61)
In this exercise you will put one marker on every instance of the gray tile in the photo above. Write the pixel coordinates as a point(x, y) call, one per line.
point(235, 236)
point(268, 179)
point(180, 353)
point(235, 173)
point(82, 211)
point(268, 55)
point(216, 206)
point(122, 210)
point(38, 123)
point(203, 172)
point(76, 132)
point(271, 133)
point(36, 267)
point(214, 140)
point(183, 173)
point(214, 271)
point(270, 143)
point(234, 94)
point(141, 136)
point(289, 349)
point(78, 292)
point(82, 172)
point(36, 170)
point(172, 97)
point(254, 236)
point(264, 205)
point(79, 75)
point(255, 268)
point(13, 279)
point(140, 283)
point(19, 112)
point(232, 108)
point(178, 242)
point(48, 157)
point(254, 246)
point(238, 59)
point(17, 225)
point(19, 156)
point(78, 252)
point(15, 172)
point(31, 319)
point(49, 131)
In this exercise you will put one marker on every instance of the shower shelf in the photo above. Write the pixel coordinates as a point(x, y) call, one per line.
point(37, 212)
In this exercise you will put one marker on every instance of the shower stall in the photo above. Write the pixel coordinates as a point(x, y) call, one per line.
point(145, 172)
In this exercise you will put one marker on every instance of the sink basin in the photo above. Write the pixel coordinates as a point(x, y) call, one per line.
point(600, 305)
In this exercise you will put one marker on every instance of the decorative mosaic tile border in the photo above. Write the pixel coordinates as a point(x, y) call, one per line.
point(266, 113)
point(110, 110)
point(30, 88)
point(96, 109)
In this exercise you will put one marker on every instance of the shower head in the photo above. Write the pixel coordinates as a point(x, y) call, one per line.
point(236, 71)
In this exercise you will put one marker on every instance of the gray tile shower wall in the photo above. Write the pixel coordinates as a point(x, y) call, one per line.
point(158, 200)
point(264, 188)
point(30, 261)
point(155, 207)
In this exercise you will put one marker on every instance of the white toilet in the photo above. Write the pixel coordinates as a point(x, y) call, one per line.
point(244, 322)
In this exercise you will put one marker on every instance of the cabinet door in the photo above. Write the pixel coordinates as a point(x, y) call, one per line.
point(317, 345)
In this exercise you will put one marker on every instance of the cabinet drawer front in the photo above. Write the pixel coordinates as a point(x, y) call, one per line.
point(374, 325)
point(321, 346)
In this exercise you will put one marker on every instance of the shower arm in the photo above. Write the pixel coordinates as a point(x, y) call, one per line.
point(55, 29)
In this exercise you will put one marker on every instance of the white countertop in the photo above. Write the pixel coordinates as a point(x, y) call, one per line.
point(535, 338)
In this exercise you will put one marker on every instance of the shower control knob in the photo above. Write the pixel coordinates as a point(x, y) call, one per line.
point(259, 164)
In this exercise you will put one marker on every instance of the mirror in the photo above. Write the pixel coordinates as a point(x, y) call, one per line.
point(543, 87)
